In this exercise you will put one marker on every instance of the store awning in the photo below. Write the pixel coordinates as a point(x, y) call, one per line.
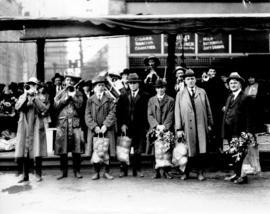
point(50, 28)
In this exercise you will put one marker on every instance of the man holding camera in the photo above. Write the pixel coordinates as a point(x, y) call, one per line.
point(68, 104)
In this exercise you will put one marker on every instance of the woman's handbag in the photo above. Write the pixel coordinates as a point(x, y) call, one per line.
point(100, 147)
point(123, 149)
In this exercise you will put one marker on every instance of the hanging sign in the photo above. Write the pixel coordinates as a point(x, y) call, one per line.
point(189, 43)
point(145, 44)
point(218, 43)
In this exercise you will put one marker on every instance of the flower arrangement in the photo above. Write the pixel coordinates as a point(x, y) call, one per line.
point(238, 146)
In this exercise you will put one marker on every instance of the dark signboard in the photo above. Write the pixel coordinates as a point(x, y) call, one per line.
point(189, 43)
point(218, 43)
point(250, 42)
point(145, 44)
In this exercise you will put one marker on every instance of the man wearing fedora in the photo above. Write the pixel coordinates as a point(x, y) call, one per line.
point(193, 121)
point(134, 122)
point(152, 73)
point(67, 106)
point(100, 119)
point(33, 118)
point(161, 116)
point(236, 119)
point(179, 73)
point(57, 82)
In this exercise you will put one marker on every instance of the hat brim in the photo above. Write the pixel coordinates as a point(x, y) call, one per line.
point(240, 79)
point(159, 86)
point(129, 81)
point(94, 83)
point(146, 61)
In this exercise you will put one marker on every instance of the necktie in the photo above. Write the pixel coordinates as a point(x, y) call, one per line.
point(133, 94)
point(192, 92)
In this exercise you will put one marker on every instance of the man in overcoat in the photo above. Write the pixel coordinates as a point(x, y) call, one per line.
point(100, 119)
point(193, 121)
point(134, 122)
point(67, 107)
point(33, 106)
point(237, 118)
point(161, 115)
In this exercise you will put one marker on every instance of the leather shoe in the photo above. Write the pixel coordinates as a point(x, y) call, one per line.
point(140, 174)
point(167, 175)
point(201, 177)
point(241, 180)
point(95, 176)
point(38, 178)
point(123, 174)
point(108, 176)
point(184, 177)
point(231, 178)
point(23, 180)
point(78, 175)
point(157, 175)
point(61, 177)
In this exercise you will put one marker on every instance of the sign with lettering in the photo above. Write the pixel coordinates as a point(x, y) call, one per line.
point(250, 42)
point(189, 43)
point(218, 43)
point(145, 44)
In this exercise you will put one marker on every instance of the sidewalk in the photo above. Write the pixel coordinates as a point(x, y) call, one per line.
point(133, 195)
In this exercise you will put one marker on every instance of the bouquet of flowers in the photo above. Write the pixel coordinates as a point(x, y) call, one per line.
point(180, 154)
point(238, 146)
point(163, 145)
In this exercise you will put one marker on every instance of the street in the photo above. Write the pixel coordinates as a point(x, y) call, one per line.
point(133, 195)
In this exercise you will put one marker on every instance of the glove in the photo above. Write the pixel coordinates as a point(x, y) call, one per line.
point(97, 130)
point(124, 129)
point(180, 134)
point(103, 129)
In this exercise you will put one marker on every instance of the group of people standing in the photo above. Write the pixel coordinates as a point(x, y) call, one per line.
point(80, 116)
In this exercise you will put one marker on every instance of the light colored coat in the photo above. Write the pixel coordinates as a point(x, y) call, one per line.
point(187, 121)
point(98, 113)
point(33, 121)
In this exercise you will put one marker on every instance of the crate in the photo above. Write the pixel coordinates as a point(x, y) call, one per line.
point(263, 141)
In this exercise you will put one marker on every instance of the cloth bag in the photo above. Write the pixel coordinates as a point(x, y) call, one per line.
point(100, 150)
point(251, 164)
point(180, 154)
point(123, 149)
point(163, 156)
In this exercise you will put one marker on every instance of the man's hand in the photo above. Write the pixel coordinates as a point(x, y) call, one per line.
point(124, 129)
point(180, 134)
point(160, 128)
point(97, 130)
point(103, 129)
point(72, 94)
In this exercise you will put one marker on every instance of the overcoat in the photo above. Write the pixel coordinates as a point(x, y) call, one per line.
point(161, 113)
point(99, 113)
point(134, 116)
point(194, 123)
point(237, 116)
point(68, 133)
point(32, 124)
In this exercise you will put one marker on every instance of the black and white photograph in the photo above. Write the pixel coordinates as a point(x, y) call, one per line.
point(134, 106)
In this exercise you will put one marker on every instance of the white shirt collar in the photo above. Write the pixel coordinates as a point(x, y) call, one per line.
point(99, 96)
point(189, 89)
point(235, 94)
point(135, 92)
point(160, 97)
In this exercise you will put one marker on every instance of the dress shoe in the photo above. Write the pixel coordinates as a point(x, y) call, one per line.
point(38, 178)
point(167, 175)
point(95, 176)
point(123, 174)
point(140, 174)
point(201, 177)
point(241, 180)
point(23, 180)
point(78, 175)
point(157, 175)
point(108, 176)
point(61, 177)
point(184, 177)
point(231, 178)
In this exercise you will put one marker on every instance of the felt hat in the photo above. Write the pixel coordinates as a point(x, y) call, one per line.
point(156, 60)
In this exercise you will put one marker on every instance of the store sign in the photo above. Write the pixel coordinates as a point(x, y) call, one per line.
point(189, 43)
point(250, 42)
point(145, 44)
point(218, 43)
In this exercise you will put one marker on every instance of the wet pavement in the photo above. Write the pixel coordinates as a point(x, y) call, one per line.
point(133, 195)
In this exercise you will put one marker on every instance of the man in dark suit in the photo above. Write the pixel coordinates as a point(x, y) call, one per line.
point(236, 119)
point(134, 122)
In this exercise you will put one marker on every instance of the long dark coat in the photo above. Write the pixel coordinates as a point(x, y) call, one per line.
point(99, 113)
point(194, 124)
point(161, 113)
point(33, 120)
point(237, 116)
point(135, 118)
point(68, 134)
